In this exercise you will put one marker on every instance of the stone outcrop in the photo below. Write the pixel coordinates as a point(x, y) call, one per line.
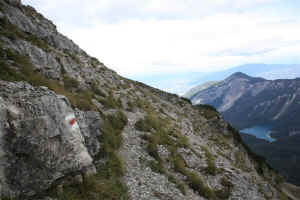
point(39, 141)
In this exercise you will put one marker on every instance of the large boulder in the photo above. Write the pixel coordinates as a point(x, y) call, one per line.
point(40, 139)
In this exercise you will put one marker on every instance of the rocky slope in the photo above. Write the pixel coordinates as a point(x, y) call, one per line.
point(70, 128)
point(246, 101)
point(193, 91)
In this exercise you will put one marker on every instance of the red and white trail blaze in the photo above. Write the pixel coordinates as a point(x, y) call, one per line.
point(71, 121)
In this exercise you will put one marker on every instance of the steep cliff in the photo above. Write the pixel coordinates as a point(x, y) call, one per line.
point(70, 128)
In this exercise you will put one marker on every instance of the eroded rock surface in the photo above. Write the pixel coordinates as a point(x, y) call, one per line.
point(39, 141)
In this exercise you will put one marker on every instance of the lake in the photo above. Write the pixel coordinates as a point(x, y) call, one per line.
point(262, 132)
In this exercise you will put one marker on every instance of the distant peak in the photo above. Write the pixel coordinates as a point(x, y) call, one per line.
point(238, 75)
point(241, 75)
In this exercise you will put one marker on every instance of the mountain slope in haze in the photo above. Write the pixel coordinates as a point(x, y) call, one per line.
point(199, 88)
point(70, 128)
point(247, 101)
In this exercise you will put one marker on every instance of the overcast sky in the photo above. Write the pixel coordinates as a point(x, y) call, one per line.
point(157, 41)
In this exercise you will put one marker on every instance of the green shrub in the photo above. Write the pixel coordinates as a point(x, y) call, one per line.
point(157, 167)
point(211, 164)
point(108, 182)
point(118, 120)
point(8, 73)
point(70, 83)
point(197, 184)
point(130, 106)
point(179, 186)
point(181, 140)
point(72, 56)
point(225, 192)
point(113, 167)
point(194, 181)
point(179, 164)
point(94, 188)
point(112, 129)
point(208, 111)
point(142, 125)
point(240, 161)
point(96, 90)
point(109, 102)
point(152, 151)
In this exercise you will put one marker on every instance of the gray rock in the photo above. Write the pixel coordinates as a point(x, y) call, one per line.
point(39, 144)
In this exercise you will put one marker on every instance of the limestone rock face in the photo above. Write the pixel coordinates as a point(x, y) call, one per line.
point(40, 140)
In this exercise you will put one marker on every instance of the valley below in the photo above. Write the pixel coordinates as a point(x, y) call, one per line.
point(261, 132)
point(266, 112)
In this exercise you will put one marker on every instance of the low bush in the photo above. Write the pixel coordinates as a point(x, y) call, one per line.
point(108, 183)
point(211, 164)
point(96, 90)
point(179, 185)
point(225, 192)
point(142, 125)
point(94, 188)
point(197, 184)
point(109, 102)
point(208, 111)
point(70, 83)
point(157, 167)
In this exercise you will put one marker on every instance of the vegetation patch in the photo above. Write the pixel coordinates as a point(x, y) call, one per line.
point(194, 181)
point(20, 68)
point(161, 136)
point(225, 192)
point(70, 83)
point(260, 160)
point(94, 188)
point(72, 56)
point(13, 33)
point(96, 90)
point(107, 183)
point(109, 102)
point(211, 164)
point(111, 138)
point(207, 111)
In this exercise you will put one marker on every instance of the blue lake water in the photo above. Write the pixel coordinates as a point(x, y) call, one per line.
point(262, 132)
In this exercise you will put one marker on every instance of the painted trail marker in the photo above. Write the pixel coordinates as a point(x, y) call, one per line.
point(71, 121)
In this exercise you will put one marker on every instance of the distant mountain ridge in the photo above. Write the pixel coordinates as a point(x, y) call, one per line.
point(246, 101)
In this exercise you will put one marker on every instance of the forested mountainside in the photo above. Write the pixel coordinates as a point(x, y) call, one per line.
point(283, 154)
point(70, 128)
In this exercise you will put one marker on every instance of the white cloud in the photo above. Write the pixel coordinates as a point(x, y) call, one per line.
point(142, 38)
point(162, 46)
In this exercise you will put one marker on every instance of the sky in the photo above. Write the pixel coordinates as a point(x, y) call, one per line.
point(167, 43)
